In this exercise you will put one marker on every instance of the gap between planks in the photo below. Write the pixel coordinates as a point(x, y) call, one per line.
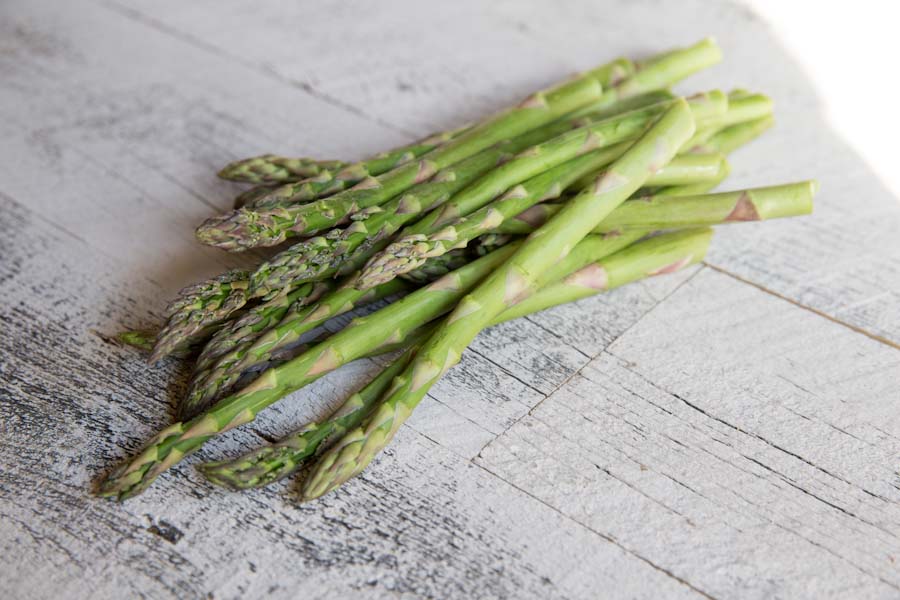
point(600, 534)
point(798, 304)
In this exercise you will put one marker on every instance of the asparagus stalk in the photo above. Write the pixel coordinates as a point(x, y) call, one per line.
point(707, 107)
point(656, 212)
point(241, 229)
point(729, 139)
point(512, 281)
point(258, 319)
point(270, 168)
point(270, 278)
point(742, 107)
point(325, 255)
point(222, 372)
point(199, 307)
point(250, 196)
point(661, 254)
point(671, 211)
point(685, 169)
point(665, 69)
point(665, 253)
point(329, 182)
point(221, 365)
point(271, 463)
point(392, 323)
point(384, 330)
point(699, 187)
point(410, 251)
point(754, 204)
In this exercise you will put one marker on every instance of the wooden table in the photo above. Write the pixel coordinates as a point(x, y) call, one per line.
point(730, 431)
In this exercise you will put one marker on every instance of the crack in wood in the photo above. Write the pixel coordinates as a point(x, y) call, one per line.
point(805, 307)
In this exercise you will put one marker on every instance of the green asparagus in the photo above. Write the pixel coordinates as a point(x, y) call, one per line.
point(670, 211)
point(198, 308)
point(729, 139)
point(388, 325)
point(250, 196)
point(512, 281)
point(329, 182)
point(270, 168)
point(410, 251)
point(656, 212)
point(326, 255)
point(271, 463)
point(243, 229)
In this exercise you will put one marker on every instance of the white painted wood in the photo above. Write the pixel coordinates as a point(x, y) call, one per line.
point(114, 116)
point(752, 461)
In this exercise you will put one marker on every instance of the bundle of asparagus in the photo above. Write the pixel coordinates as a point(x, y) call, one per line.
point(581, 188)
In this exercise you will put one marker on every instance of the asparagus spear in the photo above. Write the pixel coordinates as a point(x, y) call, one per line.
point(707, 107)
point(271, 463)
point(700, 187)
point(665, 69)
point(742, 107)
point(392, 326)
point(410, 251)
point(685, 169)
point(242, 229)
point(270, 168)
point(363, 335)
point(199, 307)
point(670, 211)
point(730, 138)
point(218, 372)
point(512, 281)
point(326, 255)
point(250, 196)
point(258, 319)
point(292, 266)
point(223, 370)
point(656, 212)
point(754, 204)
point(329, 182)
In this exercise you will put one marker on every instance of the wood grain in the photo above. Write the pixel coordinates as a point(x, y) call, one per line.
point(749, 467)
point(727, 432)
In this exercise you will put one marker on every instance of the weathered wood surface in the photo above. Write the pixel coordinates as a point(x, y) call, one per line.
point(728, 432)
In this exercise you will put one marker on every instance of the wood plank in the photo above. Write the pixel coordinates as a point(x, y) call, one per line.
point(749, 461)
point(114, 131)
